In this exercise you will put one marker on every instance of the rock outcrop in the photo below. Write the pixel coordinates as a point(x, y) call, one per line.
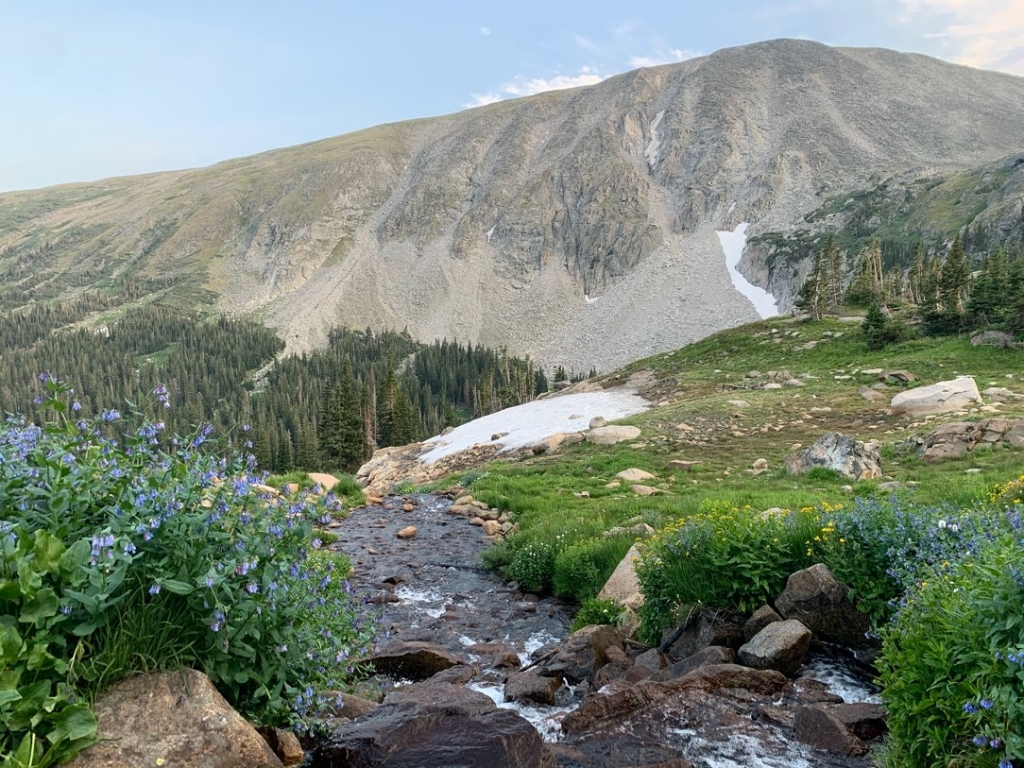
point(173, 719)
point(941, 397)
point(952, 441)
point(841, 453)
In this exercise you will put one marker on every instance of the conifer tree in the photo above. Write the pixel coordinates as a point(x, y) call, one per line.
point(812, 295)
point(955, 280)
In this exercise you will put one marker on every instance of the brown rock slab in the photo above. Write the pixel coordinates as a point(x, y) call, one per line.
point(324, 480)
point(713, 654)
point(817, 727)
point(623, 586)
point(530, 686)
point(174, 719)
point(413, 660)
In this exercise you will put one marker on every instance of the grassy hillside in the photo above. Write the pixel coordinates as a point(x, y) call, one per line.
point(565, 498)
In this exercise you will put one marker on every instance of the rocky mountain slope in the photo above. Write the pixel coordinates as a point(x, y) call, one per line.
point(577, 226)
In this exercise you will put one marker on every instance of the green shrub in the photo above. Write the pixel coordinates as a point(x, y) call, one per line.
point(581, 569)
point(594, 611)
point(952, 664)
point(723, 558)
point(532, 565)
point(824, 474)
point(140, 553)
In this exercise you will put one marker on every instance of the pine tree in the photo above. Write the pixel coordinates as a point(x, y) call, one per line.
point(955, 280)
point(328, 428)
point(812, 295)
point(834, 266)
point(987, 302)
point(351, 434)
point(917, 274)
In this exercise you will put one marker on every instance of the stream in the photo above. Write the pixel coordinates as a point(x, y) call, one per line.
point(432, 588)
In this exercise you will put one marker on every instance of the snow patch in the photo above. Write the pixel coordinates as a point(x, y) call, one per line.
point(490, 232)
point(586, 298)
point(651, 153)
point(530, 423)
point(732, 244)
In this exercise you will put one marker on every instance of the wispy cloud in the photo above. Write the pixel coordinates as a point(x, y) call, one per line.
point(671, 56)
point(485, 31)
point(978, 33)
point(528, 86)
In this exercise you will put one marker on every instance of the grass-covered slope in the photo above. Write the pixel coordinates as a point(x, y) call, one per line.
point(570, 497)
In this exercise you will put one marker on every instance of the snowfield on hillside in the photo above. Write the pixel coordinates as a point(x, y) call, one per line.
point(530, 423)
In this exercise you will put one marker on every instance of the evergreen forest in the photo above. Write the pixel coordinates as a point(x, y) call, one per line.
point(321, 411)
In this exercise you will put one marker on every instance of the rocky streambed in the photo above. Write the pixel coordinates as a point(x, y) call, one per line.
point(483, 674)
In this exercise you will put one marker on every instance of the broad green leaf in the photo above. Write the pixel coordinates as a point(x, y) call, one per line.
point(42, 606)
point(75, 721)
point(10, 591)
point(177, 587)
point(48, 550)
point(75, 556)
point(10, 645)
point(6, 697)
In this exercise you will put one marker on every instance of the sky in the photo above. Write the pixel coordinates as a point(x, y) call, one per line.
point(90, 90)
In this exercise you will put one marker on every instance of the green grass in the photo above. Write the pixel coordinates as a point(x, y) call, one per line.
point(564, 498)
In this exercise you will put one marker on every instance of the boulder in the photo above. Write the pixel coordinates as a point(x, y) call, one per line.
point(454, 699)
point(844, 454)
point(623, 586)
point(782, 645)
point(175, 719)
point(634, 474)
point(682, 465)
point(870, 394)
point(349, 705)
point(495, 655)
point(325, 481)
point(597, 422)
point(897, 377)
point(758, 620)
point(413, 660)
point(951, 441)
point(942, 397)
point(817, 727)
point(285, 745)
point(652, 659)
point(717, 628)
point(644, 490)
point(713, 654)
point(1002, 394)
point(999, 339)
point(815, 598)
point(408, 532)
point(582, 654)
point(424, 729)
point(532, 687)
point(612, 435)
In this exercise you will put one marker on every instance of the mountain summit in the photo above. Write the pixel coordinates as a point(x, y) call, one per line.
point(577, 226)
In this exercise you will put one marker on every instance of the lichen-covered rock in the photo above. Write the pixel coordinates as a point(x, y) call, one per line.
point(176, 720)
point(941, 397)
point(844, 454)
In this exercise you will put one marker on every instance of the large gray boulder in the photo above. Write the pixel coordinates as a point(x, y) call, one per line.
point(612, 435)
point(413, 660)
point(435, 725)
point(942, 397)
point(815, 598)
point(623, 586)
point(782, 645)
point(844, 454)
point(174, 719)
point(951, 441)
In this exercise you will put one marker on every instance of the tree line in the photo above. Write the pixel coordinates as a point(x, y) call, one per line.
point(323, 410)
point(946, 292)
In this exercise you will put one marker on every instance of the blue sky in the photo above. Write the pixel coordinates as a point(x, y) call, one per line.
point(96, 89)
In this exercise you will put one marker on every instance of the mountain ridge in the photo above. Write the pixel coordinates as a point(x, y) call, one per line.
point(576, 226)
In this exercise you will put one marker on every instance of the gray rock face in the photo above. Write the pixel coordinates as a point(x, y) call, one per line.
point(782, 645)
point(941, 397)
point(623, 586)
point(612, 435)
point(842, 453)
point(583, 653)
point(173, 719)
point(951, 441)
point(532, 687)
point(719, 628)
point(814, 597)
point(507, 218)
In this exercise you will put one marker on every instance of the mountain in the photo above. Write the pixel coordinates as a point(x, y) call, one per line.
point(576, 226)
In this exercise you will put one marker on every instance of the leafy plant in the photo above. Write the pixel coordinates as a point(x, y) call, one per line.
point(594, 611)
point(138, 552)
point(581, 569)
